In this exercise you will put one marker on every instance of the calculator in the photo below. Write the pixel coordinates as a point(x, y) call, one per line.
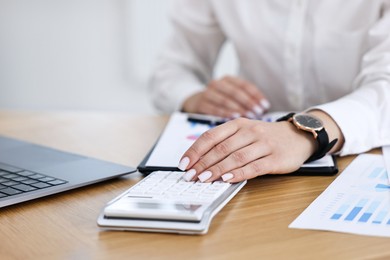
point(164, 202)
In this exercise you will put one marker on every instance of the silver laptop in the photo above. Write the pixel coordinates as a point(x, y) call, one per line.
point(29, 171)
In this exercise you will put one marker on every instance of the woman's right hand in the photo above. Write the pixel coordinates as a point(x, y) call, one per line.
point(229, 97)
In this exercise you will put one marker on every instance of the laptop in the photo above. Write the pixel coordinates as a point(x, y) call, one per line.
point(29, 171)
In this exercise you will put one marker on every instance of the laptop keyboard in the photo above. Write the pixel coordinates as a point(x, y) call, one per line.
point(14, 181)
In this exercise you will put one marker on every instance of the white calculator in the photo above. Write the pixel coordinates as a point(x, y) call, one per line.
point(164, 202)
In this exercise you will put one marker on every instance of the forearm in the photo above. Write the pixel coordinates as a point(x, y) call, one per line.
point(332, 129)
point(186, 63)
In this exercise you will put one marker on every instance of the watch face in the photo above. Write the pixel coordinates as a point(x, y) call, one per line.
point(308, 121)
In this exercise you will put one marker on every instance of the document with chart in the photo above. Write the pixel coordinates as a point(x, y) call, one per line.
point(386, 156)
point(357, 202)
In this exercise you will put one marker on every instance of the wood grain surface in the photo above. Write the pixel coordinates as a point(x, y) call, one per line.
point(254, 225)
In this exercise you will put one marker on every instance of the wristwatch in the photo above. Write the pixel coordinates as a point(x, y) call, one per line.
point(314, 125)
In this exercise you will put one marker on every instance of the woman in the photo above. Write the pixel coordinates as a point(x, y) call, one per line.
point(329, 59)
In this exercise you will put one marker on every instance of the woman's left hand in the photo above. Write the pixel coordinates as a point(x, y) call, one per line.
point(243, 149)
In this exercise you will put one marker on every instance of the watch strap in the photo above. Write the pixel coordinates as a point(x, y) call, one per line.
point(286, 117)
point(324, 146)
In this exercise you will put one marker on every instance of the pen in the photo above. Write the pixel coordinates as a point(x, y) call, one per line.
point(206, 119)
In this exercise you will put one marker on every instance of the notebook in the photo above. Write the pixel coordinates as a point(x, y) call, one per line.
point(29, 171)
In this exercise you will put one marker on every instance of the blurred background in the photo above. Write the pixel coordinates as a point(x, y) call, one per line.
point(84, 54)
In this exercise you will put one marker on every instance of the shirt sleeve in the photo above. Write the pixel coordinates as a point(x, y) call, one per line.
point(187, 61)
point(364, 115)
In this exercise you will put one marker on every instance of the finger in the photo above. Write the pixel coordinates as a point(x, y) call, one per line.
point(207, 141)
point(247, 86)
point(243, 98)
point(233, 92)
point(214, 160)
point(252, 91)
point(210, 108)
point(207, 105)
point(227, 102)
point(222, 100)
point(237, 159)
point(262, 166)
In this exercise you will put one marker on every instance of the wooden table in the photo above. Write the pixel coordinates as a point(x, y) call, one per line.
point(254, 225)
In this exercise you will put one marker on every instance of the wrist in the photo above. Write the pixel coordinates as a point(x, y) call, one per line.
point(313, 125)
point(332, 129)
point(303, 141)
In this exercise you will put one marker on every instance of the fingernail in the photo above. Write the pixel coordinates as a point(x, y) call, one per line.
point(204, 176)
point(189, 175)
point(236, 115)
point(258, 110)
point(184, 163)
point(265, 104)
point(250, 115)
point(227, 176)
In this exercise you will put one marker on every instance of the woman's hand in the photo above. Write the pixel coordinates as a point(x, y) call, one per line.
point(243, 149)
point(229, 97)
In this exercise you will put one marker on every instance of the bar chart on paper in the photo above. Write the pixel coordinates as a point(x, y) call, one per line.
point(178, 136)
point(358, 201)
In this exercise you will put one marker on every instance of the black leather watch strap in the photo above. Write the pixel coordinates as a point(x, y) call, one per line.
point(286, 117)
point(323, 146)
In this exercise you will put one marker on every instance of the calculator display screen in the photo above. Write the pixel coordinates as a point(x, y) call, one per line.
point(166, 206)
point(155, 209)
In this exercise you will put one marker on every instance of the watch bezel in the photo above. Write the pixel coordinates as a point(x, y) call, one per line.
point(298, 123)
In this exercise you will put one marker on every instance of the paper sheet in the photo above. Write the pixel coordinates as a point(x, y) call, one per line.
point(386, 156)
point(179, 135)
point(357, 202)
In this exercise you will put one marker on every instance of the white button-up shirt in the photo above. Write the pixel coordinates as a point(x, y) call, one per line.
point(330, 54)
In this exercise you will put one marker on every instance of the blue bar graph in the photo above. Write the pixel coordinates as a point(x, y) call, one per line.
point(356, 210)
point(384, 176)
point(336, 216)
point(371, 209)
point(381, 216)
point(357, 202)
point(365, 217)
point(375, 173)
point(339, 213)
point(382, 187)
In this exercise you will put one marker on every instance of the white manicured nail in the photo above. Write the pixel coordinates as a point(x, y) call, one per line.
point(265, 104)
point(184, 163)
point(204, 176)
point(189, 175)
point(258, 110)
point(250, 115)
point(236, 115)
point(227, 176)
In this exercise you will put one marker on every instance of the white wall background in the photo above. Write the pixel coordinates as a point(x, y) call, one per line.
point(82, 54)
